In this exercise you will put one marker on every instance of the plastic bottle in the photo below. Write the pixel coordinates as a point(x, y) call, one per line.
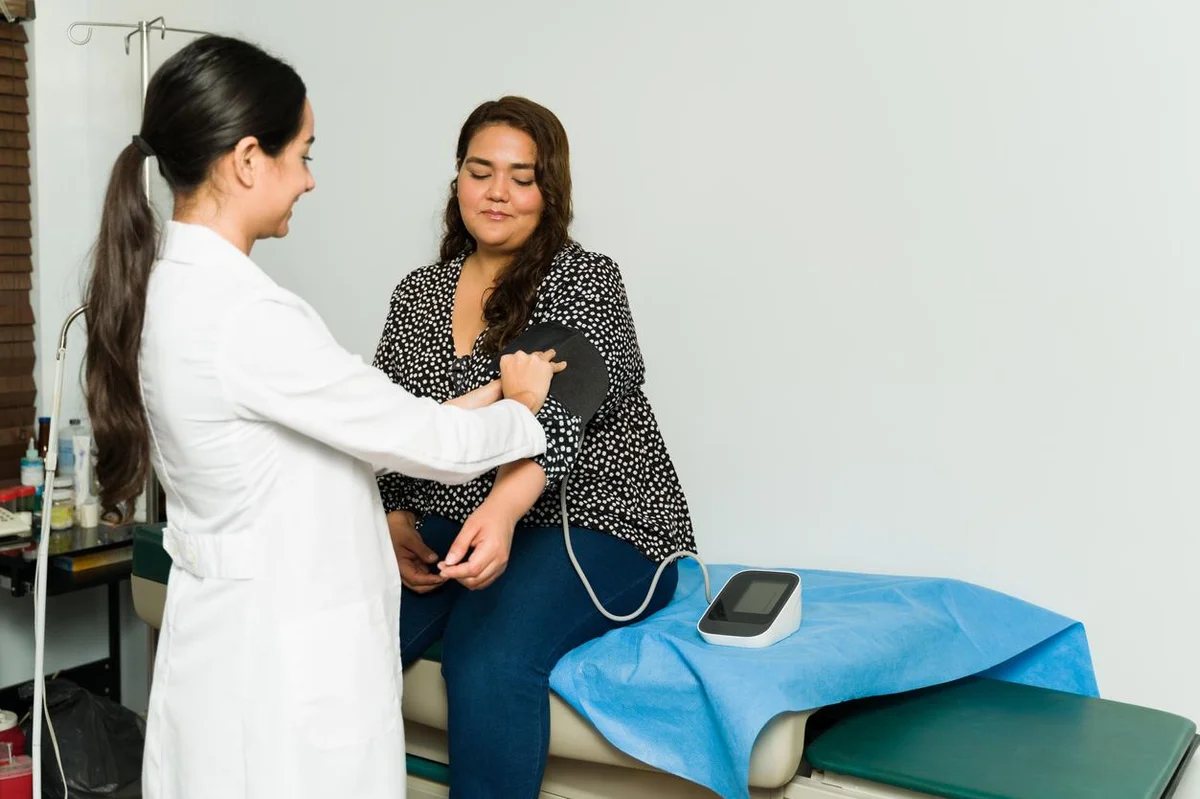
point(81, 440)
point(62, 505)
point(33, 468)
point(43, 437)
point(66, 448)
point(26, 496)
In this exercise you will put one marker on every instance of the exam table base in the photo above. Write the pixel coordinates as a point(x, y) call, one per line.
point(575, 779)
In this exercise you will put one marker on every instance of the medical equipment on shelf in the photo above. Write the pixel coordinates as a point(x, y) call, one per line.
point(13, 525)
point(756, 608)
point(10, 732)
point(582, 389)
point(16, 774)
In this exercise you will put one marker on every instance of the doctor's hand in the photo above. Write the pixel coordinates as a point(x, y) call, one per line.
point(489, 533)
point(526, 378)
point(412, 556)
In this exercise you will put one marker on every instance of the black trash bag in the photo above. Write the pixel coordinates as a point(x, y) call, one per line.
point(101, 742)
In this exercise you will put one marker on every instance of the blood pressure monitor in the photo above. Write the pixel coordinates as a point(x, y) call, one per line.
point(756, 608)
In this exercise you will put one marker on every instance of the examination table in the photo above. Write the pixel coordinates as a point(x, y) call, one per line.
point(971, 739)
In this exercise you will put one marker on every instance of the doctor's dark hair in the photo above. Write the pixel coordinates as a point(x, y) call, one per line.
point(200, 103)
point(510, 303)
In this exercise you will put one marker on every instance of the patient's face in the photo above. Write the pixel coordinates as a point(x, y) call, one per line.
point(498, 194)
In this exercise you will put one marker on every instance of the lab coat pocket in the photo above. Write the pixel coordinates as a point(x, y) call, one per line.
point(341, 668)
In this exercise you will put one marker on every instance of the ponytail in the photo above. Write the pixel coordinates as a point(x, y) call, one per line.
point(200, 103)
point(116, 305)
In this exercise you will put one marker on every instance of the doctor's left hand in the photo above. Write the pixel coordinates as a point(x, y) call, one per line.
point(489, 532)
point(414, 558)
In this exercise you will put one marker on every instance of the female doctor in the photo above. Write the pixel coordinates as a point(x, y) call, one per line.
point(278, 670)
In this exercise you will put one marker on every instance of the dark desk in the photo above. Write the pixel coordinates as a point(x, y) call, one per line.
point(102, 677)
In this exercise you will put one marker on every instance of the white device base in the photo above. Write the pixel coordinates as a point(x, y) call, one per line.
point(786, 623)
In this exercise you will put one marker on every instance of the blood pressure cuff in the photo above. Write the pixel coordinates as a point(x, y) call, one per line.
point(583, 386)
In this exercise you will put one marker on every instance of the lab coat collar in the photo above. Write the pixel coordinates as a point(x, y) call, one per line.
point(186, 243)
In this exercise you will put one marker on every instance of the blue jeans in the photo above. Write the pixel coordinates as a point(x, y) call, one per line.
point(500, 644)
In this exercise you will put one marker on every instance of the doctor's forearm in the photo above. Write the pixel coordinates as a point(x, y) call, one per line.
point(518, 486)
point(479, 398)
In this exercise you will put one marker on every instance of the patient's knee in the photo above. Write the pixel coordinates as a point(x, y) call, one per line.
point(476, 669)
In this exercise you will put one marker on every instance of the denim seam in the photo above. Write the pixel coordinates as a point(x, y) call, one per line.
point(426, 628)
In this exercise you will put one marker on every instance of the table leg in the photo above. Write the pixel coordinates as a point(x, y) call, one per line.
point(114, 639)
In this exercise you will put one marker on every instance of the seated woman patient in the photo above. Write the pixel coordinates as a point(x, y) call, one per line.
point(484, 564)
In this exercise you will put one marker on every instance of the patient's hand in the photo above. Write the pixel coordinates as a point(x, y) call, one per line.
point(479, 398)
point(489, 532)
point(412, 556)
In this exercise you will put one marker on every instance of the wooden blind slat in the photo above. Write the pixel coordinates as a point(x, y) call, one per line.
point(12, 174)
point(11, 104)
point(13, 50)
point(15, 33)
point(18, 352)
point(13, 440)
point(12, 417)
point(13, 399)
point(14, 121)
point(17, 358)
point(13, 69)
point(15, 229)
point(18, 158)
point(16, 333)
point(10, 211)
point(14, 140)
point(14, 194)
point(14, 87)
point(16, 349)
point(17, 391)
point(16, 314)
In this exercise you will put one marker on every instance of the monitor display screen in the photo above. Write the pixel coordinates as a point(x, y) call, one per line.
point(759, 598)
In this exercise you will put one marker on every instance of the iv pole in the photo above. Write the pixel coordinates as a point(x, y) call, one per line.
point(142, 30)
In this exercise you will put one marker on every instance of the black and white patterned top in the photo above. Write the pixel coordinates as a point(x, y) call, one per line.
point(622, 482)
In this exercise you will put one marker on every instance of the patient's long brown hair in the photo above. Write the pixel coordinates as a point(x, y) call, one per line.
point(510, 303)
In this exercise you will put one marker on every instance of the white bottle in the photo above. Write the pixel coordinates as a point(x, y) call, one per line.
point(33, 470)
point(81, 442)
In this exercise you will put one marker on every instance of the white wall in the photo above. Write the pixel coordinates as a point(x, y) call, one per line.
point(946, 246)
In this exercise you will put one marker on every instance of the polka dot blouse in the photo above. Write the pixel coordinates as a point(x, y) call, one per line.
point(622, 481)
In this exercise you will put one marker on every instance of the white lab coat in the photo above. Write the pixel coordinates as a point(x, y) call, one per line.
point(278, 667)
